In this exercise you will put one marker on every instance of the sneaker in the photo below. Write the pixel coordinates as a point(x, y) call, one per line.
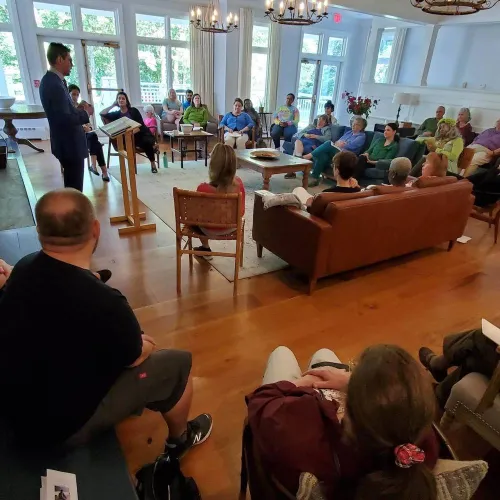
point(425, 355)
point(290, 175)
point(313, 182)
point(198, 431)
point(204, 249)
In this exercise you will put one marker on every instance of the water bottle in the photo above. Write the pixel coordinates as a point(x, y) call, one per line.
point(165, 160)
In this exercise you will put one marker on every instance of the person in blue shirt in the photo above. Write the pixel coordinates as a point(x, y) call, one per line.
point(353, 140)
point(189, 99)
point(236, 126)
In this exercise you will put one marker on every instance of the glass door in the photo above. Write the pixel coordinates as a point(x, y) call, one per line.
point(327, 86)
point(306, 95)
point(103, 74)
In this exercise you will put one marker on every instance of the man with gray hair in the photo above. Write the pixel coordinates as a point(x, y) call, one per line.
point(399, 171)
point(85, 364)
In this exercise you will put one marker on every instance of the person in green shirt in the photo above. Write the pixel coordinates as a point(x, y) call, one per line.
point(429, 126)
point(196, 114)
point(381, 148)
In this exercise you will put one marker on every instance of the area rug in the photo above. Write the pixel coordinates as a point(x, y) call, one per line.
point(156, 192)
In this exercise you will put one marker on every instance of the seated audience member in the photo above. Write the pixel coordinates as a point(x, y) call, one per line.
point(447, 141)
point(486, 187)
point(464, 126)
point(329, 109)
point(252, 113)
point(150, 120)
point(189, 99)
point(383, 448)
point(5, 271)
point(383, 148)
point(223, 179)
point(285, 121)
point(398, 173)
point(429, 125)
point(353, 140)
point(237, 125)
point(95, 147)
point(468, 351)
point(86, 365)
point(486, 146)
point(172, 108)
point(435, 165)
point(144, 139)
point(196, 114)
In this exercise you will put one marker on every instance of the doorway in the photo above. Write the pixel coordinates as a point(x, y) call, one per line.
point(318, 82)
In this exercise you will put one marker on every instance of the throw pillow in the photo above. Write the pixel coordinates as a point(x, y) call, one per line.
point(274, 200)
point(457, 480)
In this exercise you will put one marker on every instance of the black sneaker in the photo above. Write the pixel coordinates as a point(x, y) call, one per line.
point(425, 355)
point(204, 249)
point(198, 431)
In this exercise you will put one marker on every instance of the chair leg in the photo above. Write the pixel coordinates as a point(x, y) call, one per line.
point(312, 285)
point(178, 255)
point(109, 153)
point(259, 250)
point(446, 420)
point(497, 223)
point(451, 244)
point(190, 247)
point(242, 244)
point(236, 267)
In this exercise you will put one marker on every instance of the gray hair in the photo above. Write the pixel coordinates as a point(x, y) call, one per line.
point(399, 171)
point(361, 120)
point(466, 111)
point(149, 108)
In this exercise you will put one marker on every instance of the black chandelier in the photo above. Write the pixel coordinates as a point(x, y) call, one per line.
point(453, 7)
point(214, 25)
point(297, 12)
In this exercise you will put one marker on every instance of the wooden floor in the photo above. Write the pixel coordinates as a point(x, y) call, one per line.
point(411, 301)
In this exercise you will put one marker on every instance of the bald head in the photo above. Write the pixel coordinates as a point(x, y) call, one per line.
point(65, 218)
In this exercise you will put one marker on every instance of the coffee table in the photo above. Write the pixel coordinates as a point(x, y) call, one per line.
point(183, 141)
point(284, 164)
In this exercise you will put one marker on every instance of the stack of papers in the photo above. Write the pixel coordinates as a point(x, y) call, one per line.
point(58, 486)
point(119, 126)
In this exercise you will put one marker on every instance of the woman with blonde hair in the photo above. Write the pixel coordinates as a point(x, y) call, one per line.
point(222, 179)
point(172, 108)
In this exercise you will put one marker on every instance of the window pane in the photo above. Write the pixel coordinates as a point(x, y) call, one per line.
point(99, 21)
point(153, 72)
point(180, 69)
point(150, 26)
point(73, 77)
point(179, 29)
point(10, 74)
point(326, 85)
point(52, 16)
point(310, 43)
point(260, 36)
point(4, 12)
point(384, 55)
point(307, 78)
point(258, 79)
point(335, 46)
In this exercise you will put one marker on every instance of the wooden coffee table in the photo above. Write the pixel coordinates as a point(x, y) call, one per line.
point(183, 141)
point(283, 165)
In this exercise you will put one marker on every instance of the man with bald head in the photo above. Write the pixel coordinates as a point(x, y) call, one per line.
point(85, 364)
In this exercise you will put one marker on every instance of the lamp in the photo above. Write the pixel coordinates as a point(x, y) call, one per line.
point(401, 98)
point(212, 21)
point(453, 7)
point(297, 12)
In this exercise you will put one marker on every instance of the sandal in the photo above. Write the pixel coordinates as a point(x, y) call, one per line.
point(154, 170)
point(105, 178)
point(93, 170)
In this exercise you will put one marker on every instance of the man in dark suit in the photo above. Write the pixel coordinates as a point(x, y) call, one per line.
point(67, 137)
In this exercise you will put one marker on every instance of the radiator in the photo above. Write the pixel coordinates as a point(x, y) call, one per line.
point(41, 133)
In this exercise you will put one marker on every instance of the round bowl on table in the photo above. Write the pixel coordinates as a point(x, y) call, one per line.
point(6, 102)
point(186, 128)
point(265, 154)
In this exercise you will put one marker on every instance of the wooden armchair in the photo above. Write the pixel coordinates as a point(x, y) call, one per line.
point(475, 401)
point(251, 137)
point(222, 211)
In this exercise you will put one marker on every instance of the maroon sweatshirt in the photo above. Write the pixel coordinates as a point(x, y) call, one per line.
point(297, 430)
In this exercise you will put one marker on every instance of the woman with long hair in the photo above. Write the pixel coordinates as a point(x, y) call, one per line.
point(252, 113)
point(143, 138)
point(172, 108)
point(237, 125)
point(196, 114)
point(384, 448)
point(222, 179)
point(464, 126)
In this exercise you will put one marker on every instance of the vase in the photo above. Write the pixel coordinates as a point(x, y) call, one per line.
point(261, 109)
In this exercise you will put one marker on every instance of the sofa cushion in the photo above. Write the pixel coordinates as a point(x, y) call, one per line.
point(375, 173)
point(321, 201)
point(337, 131)
point(389, 189)
point(456, 480)
point(407, 148)
point(425, 182)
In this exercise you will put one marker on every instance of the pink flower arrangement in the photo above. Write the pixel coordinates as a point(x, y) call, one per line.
point(359, 105)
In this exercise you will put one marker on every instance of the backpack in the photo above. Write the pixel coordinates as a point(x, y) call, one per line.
point(164, 480)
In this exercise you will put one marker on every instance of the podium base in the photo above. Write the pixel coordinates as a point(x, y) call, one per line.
point(134, 227)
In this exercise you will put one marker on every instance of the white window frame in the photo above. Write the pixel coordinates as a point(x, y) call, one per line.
point(395, 58)
point(262, 50)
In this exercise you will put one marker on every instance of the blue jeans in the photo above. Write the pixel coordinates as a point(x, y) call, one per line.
point(287, 132)
point(322, 158)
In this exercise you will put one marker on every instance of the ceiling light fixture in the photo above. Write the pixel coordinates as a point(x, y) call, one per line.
point(297, 12)
point(212, 23)
point(453, 7)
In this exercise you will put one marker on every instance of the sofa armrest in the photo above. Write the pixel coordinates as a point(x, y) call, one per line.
point(297, 237)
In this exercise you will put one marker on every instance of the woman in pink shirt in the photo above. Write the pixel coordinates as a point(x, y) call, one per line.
point(223, 179)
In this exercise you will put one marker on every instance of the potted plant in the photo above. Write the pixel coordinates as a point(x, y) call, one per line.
point(359, 106)
point(261, 105)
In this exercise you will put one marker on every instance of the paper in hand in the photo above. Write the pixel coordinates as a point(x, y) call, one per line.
point(491, 331)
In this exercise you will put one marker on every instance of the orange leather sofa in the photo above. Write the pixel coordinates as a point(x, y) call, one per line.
point(346, 231)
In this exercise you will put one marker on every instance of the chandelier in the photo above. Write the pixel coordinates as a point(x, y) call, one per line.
point(297, 12)
point(212, 24)
point(453, 7)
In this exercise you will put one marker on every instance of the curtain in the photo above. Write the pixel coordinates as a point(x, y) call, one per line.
point(201, 55)
point(245, 68)
point(396, 54)
point(273, 64)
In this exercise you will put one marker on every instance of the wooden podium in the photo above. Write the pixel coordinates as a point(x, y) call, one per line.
point(126, 155)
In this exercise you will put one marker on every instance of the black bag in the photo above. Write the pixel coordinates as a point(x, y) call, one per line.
point(164, 480)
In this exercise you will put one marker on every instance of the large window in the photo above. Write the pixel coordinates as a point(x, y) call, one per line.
point(98, 21)
point(10, 72)
point(163, 51)
point(384, 55)
point(260, 48)
point(53, 16)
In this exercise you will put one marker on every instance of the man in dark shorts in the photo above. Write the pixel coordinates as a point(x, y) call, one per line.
point(75, 359)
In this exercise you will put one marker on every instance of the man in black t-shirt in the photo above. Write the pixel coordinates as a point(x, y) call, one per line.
point(84, 364)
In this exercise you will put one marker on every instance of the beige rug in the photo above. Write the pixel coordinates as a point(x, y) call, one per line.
point(156, 192)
